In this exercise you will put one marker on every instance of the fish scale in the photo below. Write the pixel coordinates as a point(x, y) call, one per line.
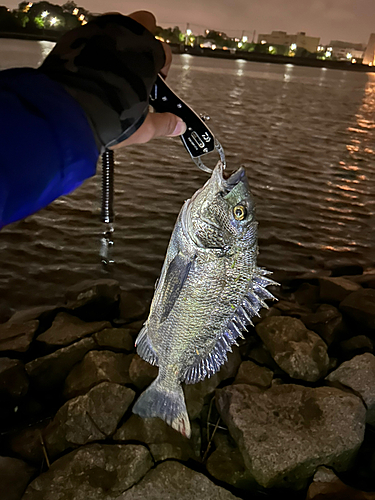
point(209, 289)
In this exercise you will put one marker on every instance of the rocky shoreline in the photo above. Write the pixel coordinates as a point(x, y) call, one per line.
point(293, 409)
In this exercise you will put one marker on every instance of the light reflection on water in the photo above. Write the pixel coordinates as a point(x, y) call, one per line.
point(305, 136)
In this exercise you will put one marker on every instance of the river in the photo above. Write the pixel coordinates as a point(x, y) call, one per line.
point(306, 137)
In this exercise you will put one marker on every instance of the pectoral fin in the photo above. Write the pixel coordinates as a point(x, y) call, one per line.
point(175, 278)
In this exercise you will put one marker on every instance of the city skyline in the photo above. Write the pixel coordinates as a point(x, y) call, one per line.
point(347, 20)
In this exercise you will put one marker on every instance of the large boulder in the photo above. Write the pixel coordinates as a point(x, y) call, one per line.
point(94, 300)
point(88, 418)
point(336, 289)
point(326, 321)
point(301, 353)
point(132, 307)
point(253, 374)
point(49, 372)
point(359, 375)
point(67, 329)
point(327, 486)
point(287, 431)
point(14, 477)
point(163, 441)
point(94, 472)
point(17, 336)
point(171, 481)
point(226, 464)
point(96, 367)
point(115, 338)
point(359, 307)
point(14, 382)
point(142, 373)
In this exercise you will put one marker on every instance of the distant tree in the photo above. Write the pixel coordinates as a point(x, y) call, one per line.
point(69, 7)
point(8, 22)
point(173, 35)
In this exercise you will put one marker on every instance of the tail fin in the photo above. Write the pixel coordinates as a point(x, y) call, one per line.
point(170, 406)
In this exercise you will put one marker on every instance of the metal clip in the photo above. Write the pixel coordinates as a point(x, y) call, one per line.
point(219, 148)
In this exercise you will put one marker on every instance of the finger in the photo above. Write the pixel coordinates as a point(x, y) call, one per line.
point(155, 125)
point(147, 19)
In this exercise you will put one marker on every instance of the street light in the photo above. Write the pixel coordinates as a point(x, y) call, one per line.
point(44, 13)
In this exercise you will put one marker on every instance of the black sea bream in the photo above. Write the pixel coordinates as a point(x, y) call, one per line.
point(209, 289)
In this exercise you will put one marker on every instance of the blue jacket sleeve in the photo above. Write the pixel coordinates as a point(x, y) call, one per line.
point(47, 144)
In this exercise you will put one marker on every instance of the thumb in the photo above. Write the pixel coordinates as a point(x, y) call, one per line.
point(166, 124)
point(155, 125)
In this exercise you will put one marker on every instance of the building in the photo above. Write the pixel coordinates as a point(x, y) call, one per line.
point(343, 51)
point(300, 40)
point(369, 55)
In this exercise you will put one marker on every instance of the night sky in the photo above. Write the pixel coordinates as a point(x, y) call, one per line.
point(347, 20)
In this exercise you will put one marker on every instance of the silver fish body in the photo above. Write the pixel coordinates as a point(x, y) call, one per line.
point(209, 289)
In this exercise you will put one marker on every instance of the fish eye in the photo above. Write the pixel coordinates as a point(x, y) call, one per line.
point(239, 212)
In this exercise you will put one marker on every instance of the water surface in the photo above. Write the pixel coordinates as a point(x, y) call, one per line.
point(306, 137)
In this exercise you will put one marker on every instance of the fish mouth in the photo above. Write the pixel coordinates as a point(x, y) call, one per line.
point(230, 179)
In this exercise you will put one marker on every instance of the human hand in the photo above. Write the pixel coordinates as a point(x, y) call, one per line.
point(155, 124)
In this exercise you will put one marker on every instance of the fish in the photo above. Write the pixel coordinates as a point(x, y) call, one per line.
point(209, 290)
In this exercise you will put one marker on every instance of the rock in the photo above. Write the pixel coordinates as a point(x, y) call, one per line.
point(359, 375)
point(301, 353)
point(171, 481)
point(94, 472)
point(307, 295)
point(356, 345)
point(263, 357)
point(366, 280)
point(50, 371)
point(334, 290)
point(142, 373)
point(67, 329)
point(14, 477)
point(96, 367)
point(285, 432)
point(196, 395)
point(134, 327)
point(162, 440)
point(230, 367)
point(5, 313)
point(94, 300)
point(88, 418)
point(44, 314)
point(226, 464)
point(327, 486)
point(17, 336)
point(346, 269)
point(291, 308)
point(359, 306)
point(253, 374)
point(27, 444)
point(115, 338)
point(13, 378)
point(132, 307)
point(326, 321)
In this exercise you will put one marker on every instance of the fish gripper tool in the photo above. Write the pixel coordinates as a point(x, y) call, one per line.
point(198, 138)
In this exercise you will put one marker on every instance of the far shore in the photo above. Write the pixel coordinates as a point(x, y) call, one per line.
point(50, 36)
